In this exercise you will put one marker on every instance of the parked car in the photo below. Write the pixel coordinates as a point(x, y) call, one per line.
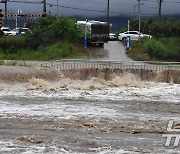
point(6, 30)
point(134, 35)
point(23, 30)
point(18, 31)
point(13, 32)
point(112, 36)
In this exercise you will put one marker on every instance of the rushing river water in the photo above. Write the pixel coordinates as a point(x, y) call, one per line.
point(93, 116)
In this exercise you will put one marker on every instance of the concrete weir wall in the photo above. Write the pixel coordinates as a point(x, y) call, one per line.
point(169, 76)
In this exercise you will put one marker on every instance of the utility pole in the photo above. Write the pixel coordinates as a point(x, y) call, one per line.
point(5, 17)
point(57, 7)
point(139, 18)
point(160, 2)
point(108, 12)
point(44, 8)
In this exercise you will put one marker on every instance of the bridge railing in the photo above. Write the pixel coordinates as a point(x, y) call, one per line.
point(67, 64)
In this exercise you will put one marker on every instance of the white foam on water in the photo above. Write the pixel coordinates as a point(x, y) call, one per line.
point(58, 109)
point(161, 92)
point(15, 146)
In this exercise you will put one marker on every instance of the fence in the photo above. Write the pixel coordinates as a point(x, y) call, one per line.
point(85, 64)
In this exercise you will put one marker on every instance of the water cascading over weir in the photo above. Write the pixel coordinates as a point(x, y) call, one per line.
point(147, 71)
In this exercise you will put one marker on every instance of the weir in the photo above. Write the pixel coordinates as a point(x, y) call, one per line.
point(147, 71)
point(102, 64)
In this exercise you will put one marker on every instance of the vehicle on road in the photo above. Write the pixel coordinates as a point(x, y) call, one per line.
point(97, 32)
point(112, 36)
point(23, 30)
point(6, 30)
point(134, 35)
point(13, 32)
point(18, 31)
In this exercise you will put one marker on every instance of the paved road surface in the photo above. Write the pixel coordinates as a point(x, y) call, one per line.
point(113, 50)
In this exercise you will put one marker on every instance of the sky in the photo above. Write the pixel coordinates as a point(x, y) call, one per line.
point(92, 8)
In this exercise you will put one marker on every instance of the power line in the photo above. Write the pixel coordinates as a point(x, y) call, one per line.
point(90, 10)
point(93, 10)
point(29, 2)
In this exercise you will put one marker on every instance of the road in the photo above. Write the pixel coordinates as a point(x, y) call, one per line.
point(113, 50)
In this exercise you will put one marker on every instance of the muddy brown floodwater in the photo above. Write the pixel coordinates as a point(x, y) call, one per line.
point(123, 115)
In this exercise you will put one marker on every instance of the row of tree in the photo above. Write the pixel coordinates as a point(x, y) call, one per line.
point(158, 28)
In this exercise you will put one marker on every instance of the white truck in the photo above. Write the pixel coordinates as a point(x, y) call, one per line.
point(96, 32)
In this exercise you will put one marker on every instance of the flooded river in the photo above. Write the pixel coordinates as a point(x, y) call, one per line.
point(73, 116)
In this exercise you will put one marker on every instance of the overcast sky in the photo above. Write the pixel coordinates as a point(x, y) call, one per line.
point(95, 7)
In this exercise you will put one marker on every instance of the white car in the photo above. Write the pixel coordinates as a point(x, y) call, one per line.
point(13, 32)
point(112, 36)
point(6, 30)
point(18, 31)
point(23, 30)
point(134, 35)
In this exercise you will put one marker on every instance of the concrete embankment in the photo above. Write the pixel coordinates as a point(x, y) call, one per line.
point(24, 74)
point(169, 76)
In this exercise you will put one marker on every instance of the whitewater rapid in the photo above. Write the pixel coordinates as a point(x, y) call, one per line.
point(122, 115)
point(95, 89)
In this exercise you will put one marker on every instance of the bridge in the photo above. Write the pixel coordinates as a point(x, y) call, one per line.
point(72, 64)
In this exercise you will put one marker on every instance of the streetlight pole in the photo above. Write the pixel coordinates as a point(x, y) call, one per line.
point(139, 17)
point(135, 8)
point(5, 12)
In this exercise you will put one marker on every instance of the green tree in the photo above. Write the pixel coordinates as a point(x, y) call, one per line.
point(164, 28)
point(52, 29)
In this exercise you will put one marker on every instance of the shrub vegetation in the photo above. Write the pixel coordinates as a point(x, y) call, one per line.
point(168, 27)
point(165, 42)
point(51, 38)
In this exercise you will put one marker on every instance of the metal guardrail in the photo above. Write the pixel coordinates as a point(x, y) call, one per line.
point(66, 64)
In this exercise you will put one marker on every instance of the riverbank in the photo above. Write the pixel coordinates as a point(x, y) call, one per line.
point(157, 49)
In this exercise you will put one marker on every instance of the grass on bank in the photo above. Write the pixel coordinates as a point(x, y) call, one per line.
point(137, 52)
point(160, 49)
point(52, 38)
point(55, 51)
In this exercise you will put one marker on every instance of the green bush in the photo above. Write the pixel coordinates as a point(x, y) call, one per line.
point(11, 44)
point(166, 27)
point(50, 29)
point(56, 51)
point(51, 38)
point(163, 48)
point(155, 49)
point(172, 47)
